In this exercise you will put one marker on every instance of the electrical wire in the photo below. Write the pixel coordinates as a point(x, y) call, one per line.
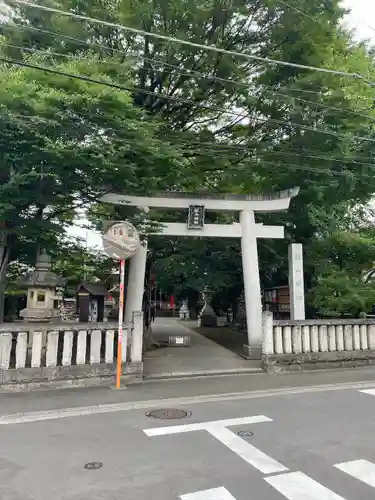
point(304, 154)
point(200, 75)
point(153, 60)
point(210, 48)
point(296, 9)
point(185, 101)
point(118, 86)
point(209, 147)
point(259, 162)
point(193, 102)
point(293, 166)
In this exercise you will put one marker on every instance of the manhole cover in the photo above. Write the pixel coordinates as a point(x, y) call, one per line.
point(168, 414)
point(245, 433)
point(93, 465)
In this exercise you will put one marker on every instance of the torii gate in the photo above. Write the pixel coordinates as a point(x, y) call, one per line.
point(247, 229)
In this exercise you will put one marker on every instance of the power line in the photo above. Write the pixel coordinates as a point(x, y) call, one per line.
point(60, 35)
point(200, 75)
point(210, 146)
point(287, 153)
point(258, 161)
point(211, 48)
point(153, 60)
point(290, 166)
point(185, 101)
point(293, 166)
point(38, 51)
point(296, 9)
point(117, 86)
point(182, 71)
point(188, 73)
point(369, 26)
point(326, 106)
point(321, 131)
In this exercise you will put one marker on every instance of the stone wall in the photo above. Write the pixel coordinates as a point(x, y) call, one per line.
point(71, 355)
point(316, 344)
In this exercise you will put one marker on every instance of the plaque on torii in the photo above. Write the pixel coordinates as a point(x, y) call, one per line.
point(196, 217)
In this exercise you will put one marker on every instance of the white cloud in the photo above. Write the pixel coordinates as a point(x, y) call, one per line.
point(92, 239)
point(361, 18)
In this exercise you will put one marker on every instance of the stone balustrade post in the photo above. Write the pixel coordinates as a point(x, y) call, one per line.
point(52, 343)
point(137, 337)
point(5, 348)
point(267, 325)
point(21, 350)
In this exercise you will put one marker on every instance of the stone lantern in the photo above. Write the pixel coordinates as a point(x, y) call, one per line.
point(207, 316)
point(42, 291)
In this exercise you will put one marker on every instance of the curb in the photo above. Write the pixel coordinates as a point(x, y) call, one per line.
point(200, 373)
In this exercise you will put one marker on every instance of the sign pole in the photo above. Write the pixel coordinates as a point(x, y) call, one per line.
point(120, 325)
point(121, 241)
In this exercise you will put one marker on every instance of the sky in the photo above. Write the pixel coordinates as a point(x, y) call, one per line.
point(361, 19)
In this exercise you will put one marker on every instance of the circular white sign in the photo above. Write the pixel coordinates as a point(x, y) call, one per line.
point(121, 241)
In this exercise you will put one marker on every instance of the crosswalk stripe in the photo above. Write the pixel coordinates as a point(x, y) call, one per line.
point(247, 451)
point(368, 391)
point(213, 494)
point(298, 486)
point(360, 469)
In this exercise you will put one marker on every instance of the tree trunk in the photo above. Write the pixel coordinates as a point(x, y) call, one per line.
point(4, 260)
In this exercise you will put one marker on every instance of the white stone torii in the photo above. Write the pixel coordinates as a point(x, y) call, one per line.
point(247, 229)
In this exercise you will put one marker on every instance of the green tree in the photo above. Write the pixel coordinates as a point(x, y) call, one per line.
point(76, 263)
point(342, 261)
point(242, 125)
point(64, 142)
point(340, 292)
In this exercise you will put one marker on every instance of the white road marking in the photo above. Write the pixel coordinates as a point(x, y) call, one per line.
point(369, 391)
point(298, 486)
point(53, 414)
point(218, 429)
point(202, 426)
point(246, 451)
point(360, 469)
point(213, 494)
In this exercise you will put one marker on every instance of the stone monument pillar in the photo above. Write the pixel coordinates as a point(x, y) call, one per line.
point(296, 282)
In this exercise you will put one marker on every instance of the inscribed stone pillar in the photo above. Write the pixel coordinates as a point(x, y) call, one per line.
point(296, 285)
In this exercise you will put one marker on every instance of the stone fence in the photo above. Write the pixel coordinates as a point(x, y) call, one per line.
point(309, 344)
point(68, 354)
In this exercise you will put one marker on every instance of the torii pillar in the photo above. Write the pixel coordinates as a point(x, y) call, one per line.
point(251, 280)
point(248, 230)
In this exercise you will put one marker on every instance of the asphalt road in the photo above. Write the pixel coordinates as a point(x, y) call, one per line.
point(313, 442)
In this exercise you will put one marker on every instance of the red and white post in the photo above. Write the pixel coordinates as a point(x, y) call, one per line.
point(120, 339)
